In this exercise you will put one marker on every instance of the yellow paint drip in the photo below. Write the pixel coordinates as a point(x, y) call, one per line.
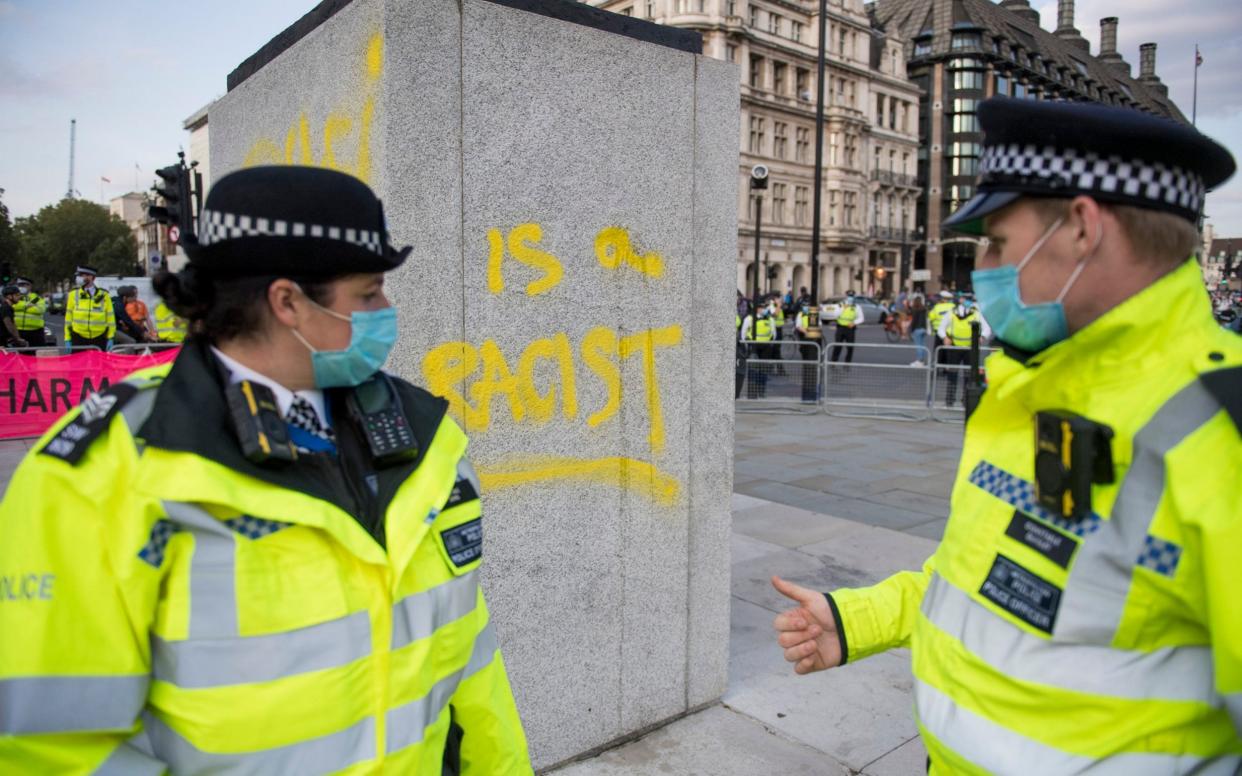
point(628, 473)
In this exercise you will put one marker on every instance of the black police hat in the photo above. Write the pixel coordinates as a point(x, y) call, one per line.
point(1063, 149)
point(295, 220)
point(9, 290)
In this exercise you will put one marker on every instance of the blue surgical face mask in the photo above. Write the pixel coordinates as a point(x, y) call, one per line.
point(1029, 327)
point(372, 335)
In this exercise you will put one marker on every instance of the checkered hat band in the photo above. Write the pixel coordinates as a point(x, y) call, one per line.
point(1156, 185)
point(216, 227)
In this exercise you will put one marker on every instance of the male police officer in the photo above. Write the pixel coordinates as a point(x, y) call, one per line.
point(264, 558)
point(954, 332)
point(28, 313)
point(1081, 613)
point(849, 319)
point(89, 317)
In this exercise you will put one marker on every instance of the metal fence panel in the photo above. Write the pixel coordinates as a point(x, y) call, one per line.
point(948, 392)
point(781, 375)
point(865, 387)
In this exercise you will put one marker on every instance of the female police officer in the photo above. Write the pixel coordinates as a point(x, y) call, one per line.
point(265, 558)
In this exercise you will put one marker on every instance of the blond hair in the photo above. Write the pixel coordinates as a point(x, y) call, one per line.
point(1154, 236)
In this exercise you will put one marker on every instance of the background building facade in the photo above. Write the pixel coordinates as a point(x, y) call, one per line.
point(960, 52)
point(870, 137)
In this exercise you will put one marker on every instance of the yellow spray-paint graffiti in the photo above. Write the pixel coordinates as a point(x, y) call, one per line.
point(543, 382)
point(341, 128)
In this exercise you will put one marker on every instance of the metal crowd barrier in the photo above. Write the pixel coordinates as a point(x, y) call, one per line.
point(866, 387)
point(777, 377)
point(143, 348)
point(50, 350)
point(948, 386)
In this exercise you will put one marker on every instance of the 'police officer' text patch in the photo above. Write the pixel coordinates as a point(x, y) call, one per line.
point(1032, 599)
point(464, 543)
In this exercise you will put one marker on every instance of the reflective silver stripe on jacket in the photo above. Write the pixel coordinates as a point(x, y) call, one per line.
point(213, 603)
point(419, 615)
point(245, 660)
point(998, 749)
point(326, 754)
point(1174, 673)
point(1099, 581)
point(407, 723)
point(70, 704)
point(1233, 702)
point(132, 758)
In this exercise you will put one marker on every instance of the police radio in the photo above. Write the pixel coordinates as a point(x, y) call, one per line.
point(1071, 454)
point(258, 424)
point(376, 408)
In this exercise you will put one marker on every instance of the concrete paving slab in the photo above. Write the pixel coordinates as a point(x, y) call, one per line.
point(715, 742)
point(746, 548)
point(933, 529)
point(871, 554)
point(750, 628)
point(935, 506)
point(856, 714)
point(743, 502)
point(789, 526)
point(907, 759)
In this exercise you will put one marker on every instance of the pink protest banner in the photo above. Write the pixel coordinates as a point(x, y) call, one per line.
point(36, 390)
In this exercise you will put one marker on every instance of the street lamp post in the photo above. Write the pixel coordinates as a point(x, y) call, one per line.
point(758, 182)
point(813, 331)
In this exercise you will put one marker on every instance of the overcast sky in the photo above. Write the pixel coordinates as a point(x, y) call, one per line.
point(131, 71)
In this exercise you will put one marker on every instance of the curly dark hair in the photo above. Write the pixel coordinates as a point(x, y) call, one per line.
point(221, 309)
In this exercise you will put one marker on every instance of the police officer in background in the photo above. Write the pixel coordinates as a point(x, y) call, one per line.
point(954, 333)
point(9, 295)
point(848, 320)
point(943, 306)
point(808, 353)
point(28, 313)
point(89, 318)
point(1080, 614)
point(264, 557)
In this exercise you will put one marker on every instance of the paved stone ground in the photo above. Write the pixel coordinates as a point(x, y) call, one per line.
point(826, 502)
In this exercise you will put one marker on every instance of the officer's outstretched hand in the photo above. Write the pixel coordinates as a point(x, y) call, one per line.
point(808, 633)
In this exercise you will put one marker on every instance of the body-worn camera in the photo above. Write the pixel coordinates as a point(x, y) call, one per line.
point(1071, 454)
point(259, 426)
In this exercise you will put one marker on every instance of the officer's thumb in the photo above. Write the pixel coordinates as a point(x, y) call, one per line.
point(794, 592)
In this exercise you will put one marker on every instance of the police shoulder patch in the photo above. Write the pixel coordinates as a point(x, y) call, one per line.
point(464, 543)
point(94, 415)
point(1226, 386)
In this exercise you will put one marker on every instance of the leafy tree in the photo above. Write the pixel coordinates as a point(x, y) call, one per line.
point(70, 233)
point(9, 248)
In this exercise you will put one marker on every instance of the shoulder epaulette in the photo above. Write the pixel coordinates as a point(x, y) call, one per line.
point(1226, 386)
point(93, 418)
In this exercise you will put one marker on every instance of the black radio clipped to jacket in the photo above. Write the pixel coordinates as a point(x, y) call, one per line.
point(376, 408)
point(257, 421)
point(1072, 453)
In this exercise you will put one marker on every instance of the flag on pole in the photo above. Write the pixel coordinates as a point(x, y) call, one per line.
point(105, 180)
point(1198, 57)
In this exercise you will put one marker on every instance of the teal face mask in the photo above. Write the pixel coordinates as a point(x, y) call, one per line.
point(372, 335)
point(1028, 327)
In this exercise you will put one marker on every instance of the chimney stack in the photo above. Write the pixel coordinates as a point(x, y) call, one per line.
point(1147, 61)
point(1109, 54)
point(1108, 36)
point(1066, 30)
point(1022, 9)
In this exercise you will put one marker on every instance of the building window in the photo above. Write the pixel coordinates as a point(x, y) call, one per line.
point(754, 16)
point(1000, 85)
point(922, 47)
point(851, 205)
point(730, 53)
point(852, 93)
point(965, 122)
point(795, 31)
point(894, 56)
point(875, 165)
point(779, 139)
point(879, 110)
point(833, 196)
point(756, 71)
point(851, 148)
point(802, 83)
point(778, 77)
point(834, 140)
point(905, 164)
point(841, 43)
point(1019, 89)
point(730, 7)
point(964, 165)
point(892, 160)
point(965, 40)
point(892, 113)
point(778, 203)
point(650, 9)
point(802, 138)
point(756, 134)
point(774, 23)
point(967, 79)
point(627, 11)
point(800, 205)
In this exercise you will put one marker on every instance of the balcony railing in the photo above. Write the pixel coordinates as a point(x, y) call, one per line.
point(890, 178)
point(892, 234)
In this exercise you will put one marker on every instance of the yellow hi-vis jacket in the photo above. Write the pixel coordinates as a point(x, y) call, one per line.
point(28, 312)
point(1108, 645)
point(171, 606)
point(959, 328)
point(169, 327)
point(938, 311)
point(89, 315)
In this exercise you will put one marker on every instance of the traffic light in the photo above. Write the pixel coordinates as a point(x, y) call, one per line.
point(177, 210)
point(6, 272)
